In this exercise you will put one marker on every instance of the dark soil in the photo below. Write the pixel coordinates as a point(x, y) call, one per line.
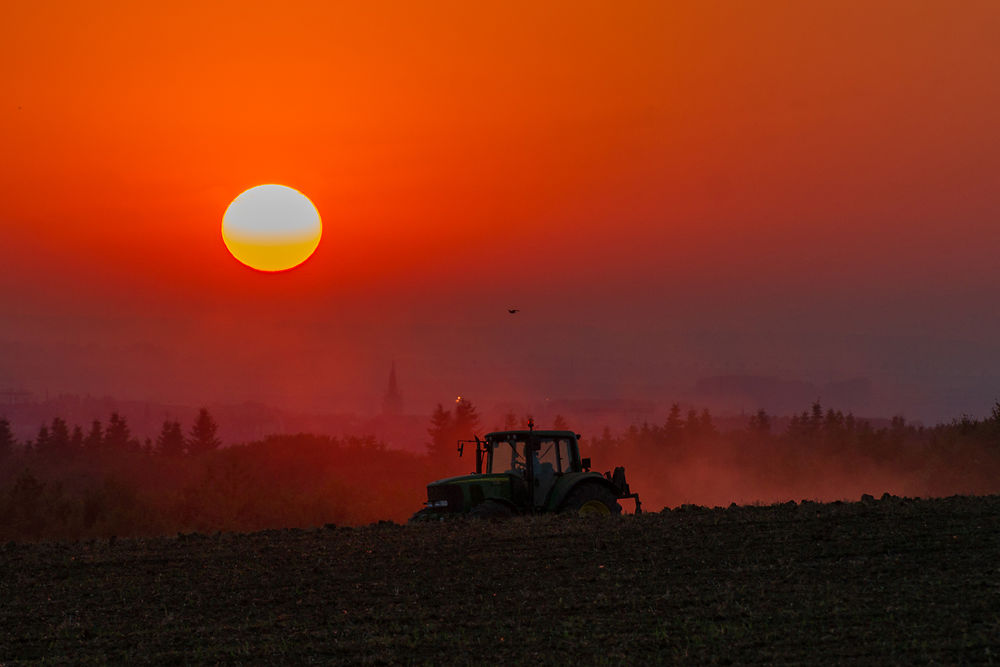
point(881, 581)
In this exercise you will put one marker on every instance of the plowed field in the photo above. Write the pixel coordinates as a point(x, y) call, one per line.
point(891, 580)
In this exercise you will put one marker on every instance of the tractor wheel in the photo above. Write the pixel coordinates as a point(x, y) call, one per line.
point(426, 514)
point(491, 509)
point(591, 500)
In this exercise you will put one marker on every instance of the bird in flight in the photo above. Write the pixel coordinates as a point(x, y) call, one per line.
point(513, 310)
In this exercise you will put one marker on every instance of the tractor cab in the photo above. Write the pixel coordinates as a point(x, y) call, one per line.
point(538, 458)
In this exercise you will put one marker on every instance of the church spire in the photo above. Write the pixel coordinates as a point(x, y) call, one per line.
point(392, 402)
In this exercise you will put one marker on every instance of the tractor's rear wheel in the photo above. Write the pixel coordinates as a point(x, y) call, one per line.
point(491, 509)
point(591, 500)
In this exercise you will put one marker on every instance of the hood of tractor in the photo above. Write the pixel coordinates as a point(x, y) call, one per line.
point(462, 493)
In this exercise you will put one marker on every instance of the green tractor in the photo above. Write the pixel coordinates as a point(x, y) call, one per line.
point(527, 472)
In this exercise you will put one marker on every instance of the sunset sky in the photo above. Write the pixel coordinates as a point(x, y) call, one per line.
point(667, 192)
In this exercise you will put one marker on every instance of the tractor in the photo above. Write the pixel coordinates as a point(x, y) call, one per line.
point(527, 472)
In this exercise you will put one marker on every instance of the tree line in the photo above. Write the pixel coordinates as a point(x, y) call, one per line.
point(57, 440)
point(71, 483)
point(818, 453)
point(122, 487)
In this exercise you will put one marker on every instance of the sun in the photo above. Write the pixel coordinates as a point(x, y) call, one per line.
point(271, 228)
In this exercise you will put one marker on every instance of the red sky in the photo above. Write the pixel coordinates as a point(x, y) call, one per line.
point(667, 190)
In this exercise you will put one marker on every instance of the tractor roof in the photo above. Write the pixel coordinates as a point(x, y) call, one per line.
point(522, 434)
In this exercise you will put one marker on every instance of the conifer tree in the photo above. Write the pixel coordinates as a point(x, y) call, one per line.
point(466, 419)
point(118, 437)
point(58, 437)
point(6, 438)
point(706, 426)
point(850, 425)
point(675, 425)
point(76, 440)
point(42, 440)
point(607, 442)
point(816, 418)
point(94, 441)
point(203, 438)
point(760, 423)
point(440, 431)
point(692, 425)
point(170, 442)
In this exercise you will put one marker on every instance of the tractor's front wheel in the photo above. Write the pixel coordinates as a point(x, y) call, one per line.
point(591, 500)
point(426, 514)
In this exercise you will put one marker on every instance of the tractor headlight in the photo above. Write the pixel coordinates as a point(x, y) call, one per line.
point(437, 503)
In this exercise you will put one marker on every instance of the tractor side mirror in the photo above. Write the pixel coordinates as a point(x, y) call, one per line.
point(585, 464)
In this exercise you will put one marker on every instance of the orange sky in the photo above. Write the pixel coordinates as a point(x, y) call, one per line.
point(739, 167)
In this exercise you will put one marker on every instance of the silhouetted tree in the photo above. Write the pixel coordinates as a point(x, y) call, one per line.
point(897, 431)
point(6, 438)
point(816, 418)
point(991, 426)
point(41, 445)
point(865, 437)
point(203, 438)
point(646, 437)
point(760, 423)
point(466, 419)
point(605, 445)
point(118, 437)
point(76, 440)
point(799, 428)
point(560, 424)
point(965, 425)
point(674, 427)
point(650, 437)
point(706, 427)
point(441, 445)
point(692, 425)
point(58, 444)
point(834, 430)
point(171, 440)
point(94, 441)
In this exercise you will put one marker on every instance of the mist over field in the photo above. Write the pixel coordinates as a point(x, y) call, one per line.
point(281, 355)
